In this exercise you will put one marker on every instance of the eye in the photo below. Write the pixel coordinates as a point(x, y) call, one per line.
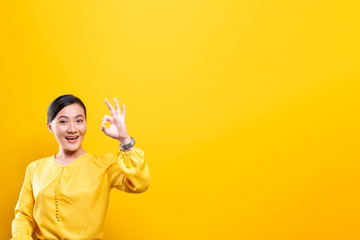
point(62, 121)
point(80, 121)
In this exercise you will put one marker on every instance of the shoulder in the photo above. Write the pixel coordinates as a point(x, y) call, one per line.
point(41, 161)
point(37, 164)
point(102, 159)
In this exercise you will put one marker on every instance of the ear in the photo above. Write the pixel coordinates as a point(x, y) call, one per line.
point(49, 126)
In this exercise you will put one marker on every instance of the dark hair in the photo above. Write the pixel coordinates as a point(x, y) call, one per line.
point(61, 102)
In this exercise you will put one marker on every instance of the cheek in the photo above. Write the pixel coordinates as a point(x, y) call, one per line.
point(59, 130)
point(83, 129)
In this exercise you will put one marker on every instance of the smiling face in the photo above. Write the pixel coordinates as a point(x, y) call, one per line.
point(69, 127)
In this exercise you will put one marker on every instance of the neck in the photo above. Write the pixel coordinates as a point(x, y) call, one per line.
point(66, 154)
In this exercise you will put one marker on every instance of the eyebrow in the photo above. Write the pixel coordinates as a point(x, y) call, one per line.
point(62, 116)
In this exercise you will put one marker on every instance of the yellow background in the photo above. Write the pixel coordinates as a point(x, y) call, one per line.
point(248, 111)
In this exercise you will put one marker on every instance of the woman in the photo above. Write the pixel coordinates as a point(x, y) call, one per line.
point(66, 195)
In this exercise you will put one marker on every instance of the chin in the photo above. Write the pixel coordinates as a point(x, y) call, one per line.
point(71, 148)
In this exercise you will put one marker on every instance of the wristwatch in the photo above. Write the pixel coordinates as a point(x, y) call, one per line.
point(128, 145)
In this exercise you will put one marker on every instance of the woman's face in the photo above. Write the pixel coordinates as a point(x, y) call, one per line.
point(69, 127)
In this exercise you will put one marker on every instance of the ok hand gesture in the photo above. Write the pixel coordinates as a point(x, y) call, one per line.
point(117, 129)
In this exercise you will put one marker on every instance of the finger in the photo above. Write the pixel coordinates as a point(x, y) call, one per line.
point(117, 105)
point(123, 109)
point(112, 111)
point(103, 127)
point(106, 118)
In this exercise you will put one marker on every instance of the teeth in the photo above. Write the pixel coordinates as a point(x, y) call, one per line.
point(71, 138)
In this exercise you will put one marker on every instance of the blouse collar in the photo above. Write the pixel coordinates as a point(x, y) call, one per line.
point(73, 163)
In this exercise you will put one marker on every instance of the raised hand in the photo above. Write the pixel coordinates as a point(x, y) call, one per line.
point(117, 129)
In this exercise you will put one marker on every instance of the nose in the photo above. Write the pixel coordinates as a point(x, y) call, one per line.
point(71, 128)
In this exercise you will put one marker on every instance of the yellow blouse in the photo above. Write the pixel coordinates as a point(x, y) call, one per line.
point(70, 201)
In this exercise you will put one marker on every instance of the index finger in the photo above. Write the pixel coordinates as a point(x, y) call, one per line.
point(117, 104)
point(112, 111)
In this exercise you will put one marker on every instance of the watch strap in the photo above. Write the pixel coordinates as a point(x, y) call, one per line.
point(128, 145)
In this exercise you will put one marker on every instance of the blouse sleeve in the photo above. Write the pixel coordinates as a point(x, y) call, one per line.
point(130, 173)
point(23, 224)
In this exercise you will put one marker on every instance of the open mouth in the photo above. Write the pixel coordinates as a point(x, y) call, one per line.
point(72, 139)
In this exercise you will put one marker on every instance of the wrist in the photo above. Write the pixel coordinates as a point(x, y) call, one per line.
point(128, 150)
point(124, 140)
point(127, 144)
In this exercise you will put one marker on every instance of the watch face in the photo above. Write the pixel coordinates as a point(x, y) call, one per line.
point(129, 145)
